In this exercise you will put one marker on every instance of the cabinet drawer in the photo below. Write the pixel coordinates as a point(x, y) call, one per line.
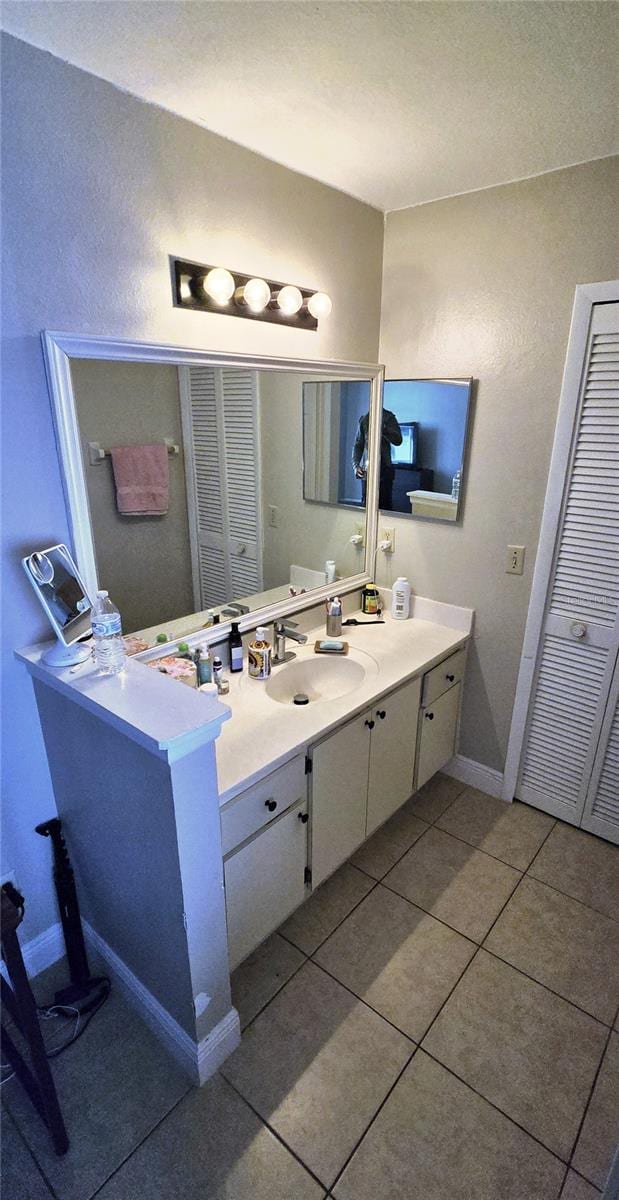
point(437, 734)
point(440, 678)
point(265, 882)
point(252, 809)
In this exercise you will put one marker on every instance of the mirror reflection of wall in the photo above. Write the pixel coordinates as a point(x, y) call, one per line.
point(426, 468)
point(334, 411)
point(234, 527)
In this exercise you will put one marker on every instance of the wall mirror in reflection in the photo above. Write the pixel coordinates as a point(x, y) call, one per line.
point(194, 479)
point(423, 452)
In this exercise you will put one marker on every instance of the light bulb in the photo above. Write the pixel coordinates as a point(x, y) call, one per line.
point(319, 305)
point(219, 285)
point(289, 300)
point(256, 294)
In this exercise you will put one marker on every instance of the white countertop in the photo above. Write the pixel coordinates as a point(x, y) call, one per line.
point(263, 733)
point(167, 717)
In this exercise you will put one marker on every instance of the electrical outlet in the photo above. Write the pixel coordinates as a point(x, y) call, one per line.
point(388, 535)
point(360, 531)
point(273, 515)
point(515, 560)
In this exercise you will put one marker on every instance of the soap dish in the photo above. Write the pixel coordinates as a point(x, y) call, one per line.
point(330, 646)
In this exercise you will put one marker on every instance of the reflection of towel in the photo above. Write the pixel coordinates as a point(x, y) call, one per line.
point(141, 477)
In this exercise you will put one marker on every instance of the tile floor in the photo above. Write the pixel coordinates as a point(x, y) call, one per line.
point(439, 1022)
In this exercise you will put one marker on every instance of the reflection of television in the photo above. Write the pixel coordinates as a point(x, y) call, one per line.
point(405, 455)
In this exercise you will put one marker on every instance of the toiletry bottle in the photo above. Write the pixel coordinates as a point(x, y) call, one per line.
point(401, 599)
point(203, 666)
point(223, 686)
point(330, 571)
point(370, 598)
point(235, 645)
point(259, 655)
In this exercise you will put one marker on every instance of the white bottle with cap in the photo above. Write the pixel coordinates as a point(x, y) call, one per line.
point(401, 599)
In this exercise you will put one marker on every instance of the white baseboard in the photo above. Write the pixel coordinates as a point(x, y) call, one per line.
point(41, 951)
point(199, 1059)
point(475, 775)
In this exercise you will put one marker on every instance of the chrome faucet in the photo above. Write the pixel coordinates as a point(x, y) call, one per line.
point(282, 630)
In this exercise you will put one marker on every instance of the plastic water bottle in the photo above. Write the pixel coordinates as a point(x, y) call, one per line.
point(107, 633)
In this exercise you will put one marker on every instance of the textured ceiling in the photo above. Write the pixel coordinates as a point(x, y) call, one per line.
point(394, 102)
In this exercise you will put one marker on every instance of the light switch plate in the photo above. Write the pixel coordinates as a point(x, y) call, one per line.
point(273, 516)
point(515, 560)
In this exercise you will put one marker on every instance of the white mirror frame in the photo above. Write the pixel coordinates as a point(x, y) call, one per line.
point(60, 348)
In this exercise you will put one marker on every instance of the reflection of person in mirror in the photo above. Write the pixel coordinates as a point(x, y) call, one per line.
point(391, 435)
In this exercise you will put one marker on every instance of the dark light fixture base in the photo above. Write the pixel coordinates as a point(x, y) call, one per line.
point(188, 292)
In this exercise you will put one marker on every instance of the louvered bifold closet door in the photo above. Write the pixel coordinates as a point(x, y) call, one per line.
point(220, 428)
point(578, 647)
point(241, 450)
point(601, 813)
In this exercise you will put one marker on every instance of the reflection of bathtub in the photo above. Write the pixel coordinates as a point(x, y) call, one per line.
point(433, 504)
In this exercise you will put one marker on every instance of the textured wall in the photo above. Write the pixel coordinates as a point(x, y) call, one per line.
point(483, 285)
point(99, 189)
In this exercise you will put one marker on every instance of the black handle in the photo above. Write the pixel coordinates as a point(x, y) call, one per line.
point(271, 805)
point(370, 724)
point(450, 678)
point(429, 716)
point(304, 818)
point(380, 712)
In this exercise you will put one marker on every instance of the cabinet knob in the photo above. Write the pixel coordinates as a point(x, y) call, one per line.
point(370, 724)
point(304, 818)
point(380, 712)
point(450, 678)
point(271, 805)
point(429, 716)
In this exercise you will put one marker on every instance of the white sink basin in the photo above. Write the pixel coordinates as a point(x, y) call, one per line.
point(320, 677)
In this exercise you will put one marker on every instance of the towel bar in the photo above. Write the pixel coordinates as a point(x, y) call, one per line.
point(96, 452)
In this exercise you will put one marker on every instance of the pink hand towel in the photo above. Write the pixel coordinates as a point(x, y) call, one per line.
point(142, 480)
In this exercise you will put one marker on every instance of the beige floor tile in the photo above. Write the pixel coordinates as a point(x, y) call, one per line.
point(435, 1139)
point(397, 958)
point(258, 979)
point(576, 1188)
point(563, 944)
point(453, 881)
point(524, 1049)
point(212, 1147)
point(316, 1064)
point(599, 1136)
point(435, 796)
point(511, 832)
point(329, 904)
point(581, 865)
point(380, 853)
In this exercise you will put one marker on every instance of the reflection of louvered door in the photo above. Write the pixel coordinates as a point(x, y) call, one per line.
point(602, 805)
point(580, 636)
point(220, 428)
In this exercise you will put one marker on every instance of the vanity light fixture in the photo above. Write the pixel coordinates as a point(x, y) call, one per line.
point(217, 290)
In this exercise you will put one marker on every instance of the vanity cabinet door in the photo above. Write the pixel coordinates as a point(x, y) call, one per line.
point(339, 788)
point(392, 753)
point(437, 734)
point(265, 882)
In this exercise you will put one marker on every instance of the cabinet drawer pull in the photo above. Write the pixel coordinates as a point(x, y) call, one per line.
point(304, 818)
point(450, 678)
point(271, 805)
point(380, 712)
point(370, 724)
point(429, 716)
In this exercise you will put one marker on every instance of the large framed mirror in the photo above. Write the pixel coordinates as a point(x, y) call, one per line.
point(184, 473)
point(424, 439)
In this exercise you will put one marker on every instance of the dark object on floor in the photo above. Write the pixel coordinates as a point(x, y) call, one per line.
point(85, 992)
point(20, 1003)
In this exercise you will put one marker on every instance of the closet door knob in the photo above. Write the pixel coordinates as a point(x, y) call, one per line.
point(271, 805)
point(429, 716)
point(380, 712)
point(370, 724)
point(450, 678)
point(304, 818)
